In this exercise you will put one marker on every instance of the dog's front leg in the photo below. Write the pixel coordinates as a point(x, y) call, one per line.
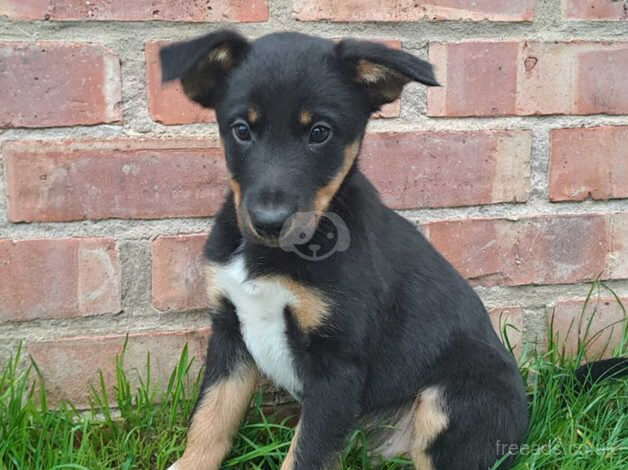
point(330, 408)
point(228, 385)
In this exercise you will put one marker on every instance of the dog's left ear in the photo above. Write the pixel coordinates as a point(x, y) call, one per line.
point(381, 70)
point(203, 64)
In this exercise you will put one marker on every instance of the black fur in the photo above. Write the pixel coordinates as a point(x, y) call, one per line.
point(402, 318)
point(594, 372)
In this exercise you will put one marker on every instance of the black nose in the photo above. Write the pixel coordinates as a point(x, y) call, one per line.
point(268, 219)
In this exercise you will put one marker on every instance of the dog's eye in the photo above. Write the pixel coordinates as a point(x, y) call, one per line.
point(319, 134)
point(241, 131)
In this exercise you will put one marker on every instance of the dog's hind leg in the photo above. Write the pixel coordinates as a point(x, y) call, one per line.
point(429, 421)
point(474, 414)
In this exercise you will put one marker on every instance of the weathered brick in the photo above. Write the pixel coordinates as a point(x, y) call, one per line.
point(508, 323)
point(410, 10)
point(528, 78)
point(617, 260)
point(589, 162)
point(595, 10)
point(536, 250)
point(178, 279)
point(121, 178)
point(137, 10)
point(439, 169)
point(58, 278)
point(600, 77)
point(46, 84)
point(168, 104)
point(599, 326)
point(70, 365)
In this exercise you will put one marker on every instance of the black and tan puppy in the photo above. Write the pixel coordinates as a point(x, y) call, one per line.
point(315, 283)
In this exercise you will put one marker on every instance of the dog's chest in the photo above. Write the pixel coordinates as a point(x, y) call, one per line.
point(260, 305)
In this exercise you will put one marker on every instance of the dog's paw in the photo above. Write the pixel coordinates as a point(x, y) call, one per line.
point(174, 466)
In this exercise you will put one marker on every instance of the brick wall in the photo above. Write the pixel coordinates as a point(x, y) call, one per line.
point(516, 169)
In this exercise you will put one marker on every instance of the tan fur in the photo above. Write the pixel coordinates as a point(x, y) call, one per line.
point(221, 55)
point(253, 115)
point(214, 295)
point(235, 188)
point(216, 421)
point(388, 82)
point(289, 461)
point(325, 194)
point(430, 420)
point(305, 118)
point(368, 72)
point(310, 307)
point(242, 216)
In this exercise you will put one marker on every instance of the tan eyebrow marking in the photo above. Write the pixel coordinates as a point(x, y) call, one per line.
point(253, 115)
point(305, 118)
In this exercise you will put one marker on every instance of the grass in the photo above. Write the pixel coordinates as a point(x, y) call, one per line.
point(570, 428)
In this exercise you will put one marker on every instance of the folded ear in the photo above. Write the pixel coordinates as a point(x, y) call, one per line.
point(203, 64)
point(381, 70)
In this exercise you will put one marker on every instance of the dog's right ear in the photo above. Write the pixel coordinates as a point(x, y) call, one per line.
point(202, 64)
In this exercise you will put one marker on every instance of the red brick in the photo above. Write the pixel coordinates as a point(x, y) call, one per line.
point(617, 259)
point(537, 250)
point(591, 162)
point(595, 10)
point(477, 79)
point(178, 279)
point(440, 169)
point(508, 323)
point(122, 178)
point(601, 76)
point(47, 84)
point(70, 365)
point(599, 326)
point(528, 78)
point(410, 10)
point(168, 104)
point(58, 278)
point(136, 10)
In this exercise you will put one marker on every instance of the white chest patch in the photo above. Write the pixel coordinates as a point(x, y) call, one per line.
point(260, 307)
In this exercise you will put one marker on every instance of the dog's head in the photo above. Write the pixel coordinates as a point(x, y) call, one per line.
point(291, 110)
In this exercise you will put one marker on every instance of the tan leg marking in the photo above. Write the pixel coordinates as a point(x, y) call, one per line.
point(325, 194)
point(429, 421)
point(305, 118)
point(290, 459)
point(217, 420)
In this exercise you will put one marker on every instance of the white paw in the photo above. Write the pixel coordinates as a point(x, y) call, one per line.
point(172, 467)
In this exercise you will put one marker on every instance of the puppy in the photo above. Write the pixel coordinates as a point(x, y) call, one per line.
point(316, 284)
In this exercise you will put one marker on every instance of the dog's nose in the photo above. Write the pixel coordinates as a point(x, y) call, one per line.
point(268, 219)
